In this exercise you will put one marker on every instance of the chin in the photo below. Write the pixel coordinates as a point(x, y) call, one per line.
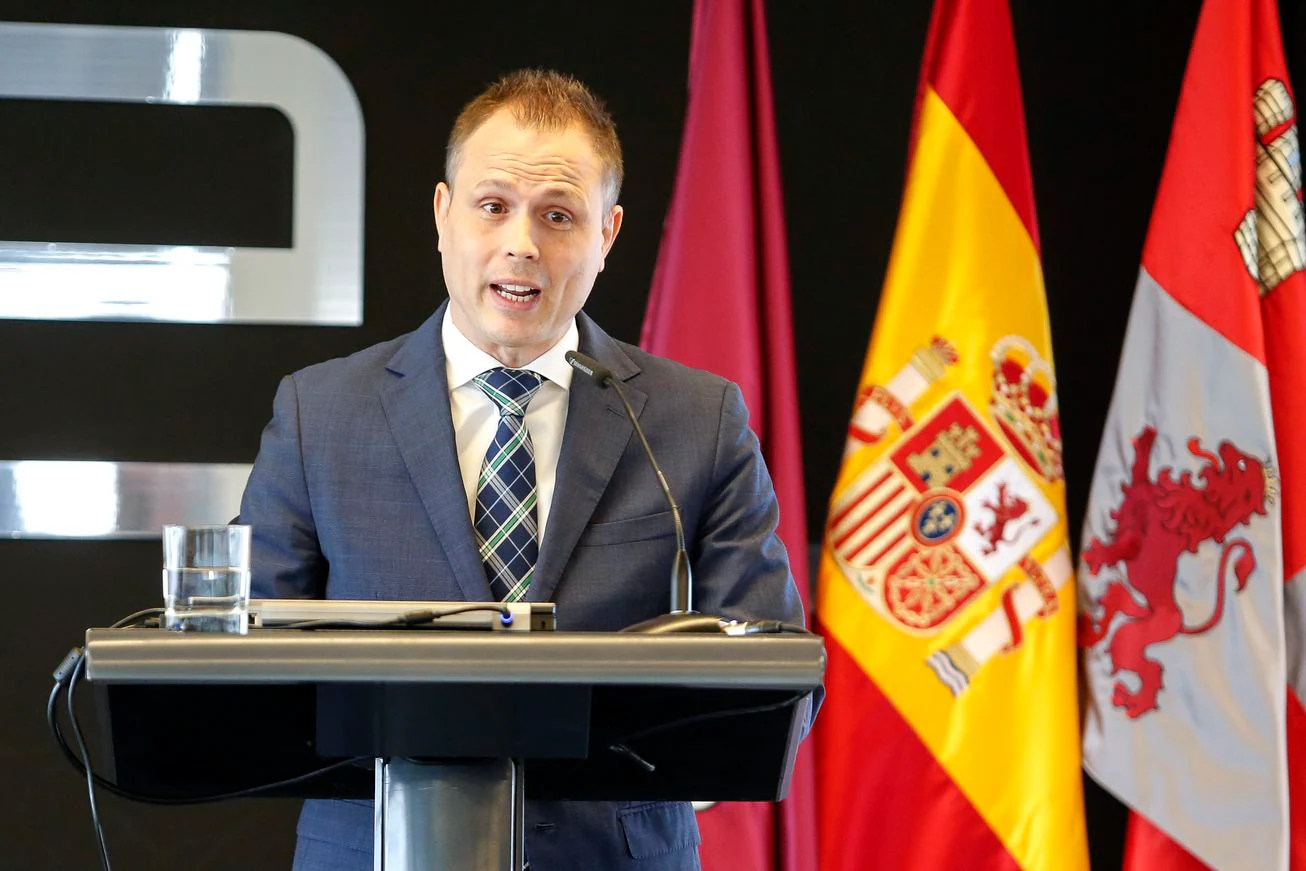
point(517, 339)
point(516, 333)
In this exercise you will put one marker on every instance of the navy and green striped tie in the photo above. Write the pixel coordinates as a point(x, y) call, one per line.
point(507, 534)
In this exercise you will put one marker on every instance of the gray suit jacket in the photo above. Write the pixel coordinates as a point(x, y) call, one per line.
point(356, 494)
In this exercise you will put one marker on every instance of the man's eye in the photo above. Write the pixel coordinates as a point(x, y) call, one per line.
point(556, 217)
point(493, 208)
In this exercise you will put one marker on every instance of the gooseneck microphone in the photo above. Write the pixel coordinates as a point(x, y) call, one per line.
point(682, 580)
point(682, 617)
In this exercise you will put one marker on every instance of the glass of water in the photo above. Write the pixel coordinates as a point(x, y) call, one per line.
point(206, 578)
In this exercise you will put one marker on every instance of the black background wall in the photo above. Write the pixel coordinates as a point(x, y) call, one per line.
point(1100, 84)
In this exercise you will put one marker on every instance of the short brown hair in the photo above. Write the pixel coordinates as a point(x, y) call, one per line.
point(543, 100)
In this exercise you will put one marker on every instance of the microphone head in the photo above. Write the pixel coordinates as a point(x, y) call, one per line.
point(589, 367)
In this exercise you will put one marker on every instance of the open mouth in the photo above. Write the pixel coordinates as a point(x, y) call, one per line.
point(516, 293)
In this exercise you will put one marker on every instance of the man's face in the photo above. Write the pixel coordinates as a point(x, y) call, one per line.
point(523, 234)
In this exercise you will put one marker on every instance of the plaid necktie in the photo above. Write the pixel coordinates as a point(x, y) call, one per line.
point(506, 529)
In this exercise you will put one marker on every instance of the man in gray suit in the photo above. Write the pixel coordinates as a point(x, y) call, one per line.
point(463, 461)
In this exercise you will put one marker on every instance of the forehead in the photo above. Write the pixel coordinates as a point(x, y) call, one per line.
point(501, 145)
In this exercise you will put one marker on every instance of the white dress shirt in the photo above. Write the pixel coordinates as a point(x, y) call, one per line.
point(476, 417)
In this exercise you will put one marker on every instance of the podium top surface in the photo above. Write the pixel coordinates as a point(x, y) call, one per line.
point(785, 661)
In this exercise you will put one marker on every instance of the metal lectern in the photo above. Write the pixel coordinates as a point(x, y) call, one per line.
point(462, 725)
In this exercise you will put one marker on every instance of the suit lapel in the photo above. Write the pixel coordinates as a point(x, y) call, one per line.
point(417, 409)
point(596, 436)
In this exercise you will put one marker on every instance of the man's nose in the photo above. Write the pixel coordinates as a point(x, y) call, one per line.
point(520, 237)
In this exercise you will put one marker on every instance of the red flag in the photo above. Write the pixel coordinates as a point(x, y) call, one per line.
point(1192, 718)
point(720, 301)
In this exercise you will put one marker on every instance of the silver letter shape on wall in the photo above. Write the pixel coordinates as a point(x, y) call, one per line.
point(317, 281)
point(88, 499)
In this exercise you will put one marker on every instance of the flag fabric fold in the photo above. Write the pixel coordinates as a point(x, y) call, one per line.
point(1195, 534)
point(950, 732)
point(720, 301)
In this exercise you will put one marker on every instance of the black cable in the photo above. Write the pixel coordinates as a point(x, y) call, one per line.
point(72, 670)
point(243, 793)
point(621, 747)
point(411, 618)
point(141, 616)
point(52, 720)
point(86, 762)
point(668, 624)
point(51, 715)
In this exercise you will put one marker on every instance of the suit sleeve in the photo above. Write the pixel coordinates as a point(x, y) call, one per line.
point(286, 557)
point(741, 569)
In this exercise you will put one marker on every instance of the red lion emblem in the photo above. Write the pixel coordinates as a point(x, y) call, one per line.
point(1157, 522)
point(1006, 511)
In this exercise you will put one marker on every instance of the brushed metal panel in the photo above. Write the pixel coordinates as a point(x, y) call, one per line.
point(466, 814)
point(289, 656)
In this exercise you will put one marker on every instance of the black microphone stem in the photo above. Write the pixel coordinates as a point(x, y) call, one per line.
point(682, 580)
point(682, 617)
point(683, 585)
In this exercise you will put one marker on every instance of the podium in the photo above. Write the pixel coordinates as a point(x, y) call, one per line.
point(458, 727)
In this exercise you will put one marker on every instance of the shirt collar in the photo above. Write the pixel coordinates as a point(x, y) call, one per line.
point(464, 361)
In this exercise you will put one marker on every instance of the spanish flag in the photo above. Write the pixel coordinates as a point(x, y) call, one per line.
point(950, 733)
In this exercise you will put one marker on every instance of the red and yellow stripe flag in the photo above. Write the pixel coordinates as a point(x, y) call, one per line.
point(950, 734)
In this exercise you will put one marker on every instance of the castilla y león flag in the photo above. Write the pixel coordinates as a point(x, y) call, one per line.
point(1190, 559)
point(950, 733)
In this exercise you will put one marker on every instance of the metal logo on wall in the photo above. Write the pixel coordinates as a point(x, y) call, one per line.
point(319, 280)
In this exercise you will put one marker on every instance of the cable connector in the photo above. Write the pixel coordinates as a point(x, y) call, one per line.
point(623, 750)
point(64, 672)
point(751, 627)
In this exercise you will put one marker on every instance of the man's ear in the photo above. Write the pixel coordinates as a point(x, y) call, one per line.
point(611, 227)
point(440, 206)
